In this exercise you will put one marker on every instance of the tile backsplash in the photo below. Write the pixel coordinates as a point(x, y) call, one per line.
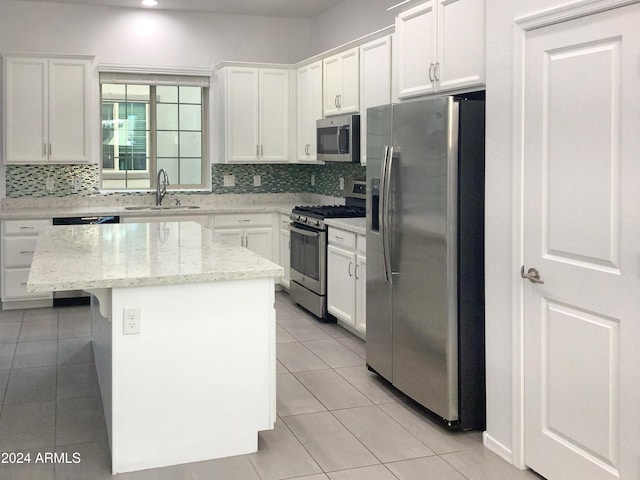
point(83, 180)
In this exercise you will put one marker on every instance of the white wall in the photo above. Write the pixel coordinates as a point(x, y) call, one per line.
point(348, 20)
point(150, 37)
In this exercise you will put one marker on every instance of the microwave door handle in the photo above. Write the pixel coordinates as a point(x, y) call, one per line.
point(338, 139)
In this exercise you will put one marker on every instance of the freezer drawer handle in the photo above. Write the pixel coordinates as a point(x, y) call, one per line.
point(532, 275)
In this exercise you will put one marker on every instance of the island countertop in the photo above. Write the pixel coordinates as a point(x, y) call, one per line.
point(85, 257)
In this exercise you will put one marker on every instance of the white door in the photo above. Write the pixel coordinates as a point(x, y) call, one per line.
point(415, 50)
point(375, 83)
point(303, 111)
point(242, 114)
point(274, 115)
point(582, 233)
point(331, 83)
point(349, 98)
point(315, 106)
point(26, 110)
point(461, 44)
point(341, 286)
point(285, 255)
point(260, 241)
point(69, 130)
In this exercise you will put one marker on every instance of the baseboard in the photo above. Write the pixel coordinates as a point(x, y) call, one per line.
point(497, 448)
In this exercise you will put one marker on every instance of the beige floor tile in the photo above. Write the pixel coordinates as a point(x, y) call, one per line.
point(293, 398)
point(429, 468)
point(332, 390)
point(333, 353)
point(27, 426)
point(482, 464)
point(37, 384)
point(370, 384)
point(298, 358)
point(375, 472)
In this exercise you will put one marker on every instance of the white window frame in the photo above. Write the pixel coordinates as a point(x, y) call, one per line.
point(154, 76)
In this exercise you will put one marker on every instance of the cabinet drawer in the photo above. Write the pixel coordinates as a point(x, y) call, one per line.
point(342, 238)
point(18, 251)
point(25, 226)
point(15, 284)
point(361, 244)
point(243, 220)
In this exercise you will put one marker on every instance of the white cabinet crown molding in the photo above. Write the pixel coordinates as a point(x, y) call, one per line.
point(48, 56)
point(151, 70)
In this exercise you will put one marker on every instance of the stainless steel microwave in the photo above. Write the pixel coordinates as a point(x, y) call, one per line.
point(339, 139)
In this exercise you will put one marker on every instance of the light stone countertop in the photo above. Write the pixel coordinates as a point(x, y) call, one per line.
point(82, 257)
point(355, 225)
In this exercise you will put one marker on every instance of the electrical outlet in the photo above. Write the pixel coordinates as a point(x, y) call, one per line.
point(257, 180)
point(229, 180)
point(77, 183)
point(50, 184)
point(313, 180)
point(132, 321)
point(341, 183)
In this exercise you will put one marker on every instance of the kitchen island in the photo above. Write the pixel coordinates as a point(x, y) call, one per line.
point(198, 380)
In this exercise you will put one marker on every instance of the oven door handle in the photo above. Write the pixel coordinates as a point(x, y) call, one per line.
point(306, 233)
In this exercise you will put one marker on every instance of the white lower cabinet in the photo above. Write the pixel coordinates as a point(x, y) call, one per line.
point(346, 279)
point(253, 231)
point(285, 250)
point(19, 238)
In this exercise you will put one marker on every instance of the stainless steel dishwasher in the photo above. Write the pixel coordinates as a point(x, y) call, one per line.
point(78, 297)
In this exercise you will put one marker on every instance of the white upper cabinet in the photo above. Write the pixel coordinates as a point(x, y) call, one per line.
point(255, 114)
point(47, 110)
point(341, 83)
point(309, 109)
point(439, 46)
point(375, 83)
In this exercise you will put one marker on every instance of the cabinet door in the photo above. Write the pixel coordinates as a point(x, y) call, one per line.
point(303, 112)
point(349, 96)
point(341, 286)
point(26, 136)
point(415, 50)
point(461, 44)
point(274, 115)
point(241, 122)
point(375, 83)
point(260, 241)
point(309, 110)
point(361, 293)
point(332, 84)
point(285, 255)
point(235, 236)
point(69, 130)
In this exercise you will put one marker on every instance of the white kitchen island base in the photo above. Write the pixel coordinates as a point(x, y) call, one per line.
point(198, 382)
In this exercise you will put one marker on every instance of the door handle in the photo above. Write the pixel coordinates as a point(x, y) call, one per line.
point(431, 68)
point(350, 274)
point(436, 72)
point(532, 275)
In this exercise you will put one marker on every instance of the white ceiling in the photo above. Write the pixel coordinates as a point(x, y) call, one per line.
point(270, 8)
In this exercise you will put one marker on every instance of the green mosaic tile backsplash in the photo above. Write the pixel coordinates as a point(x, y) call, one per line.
point(33, 180)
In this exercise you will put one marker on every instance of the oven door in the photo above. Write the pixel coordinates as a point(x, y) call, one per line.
point(309, 258)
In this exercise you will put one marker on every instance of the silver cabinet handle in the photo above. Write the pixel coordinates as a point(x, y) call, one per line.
point(431, 68)
point(339, 238)
point(357, 277)
point(261, 150)
point(49, 149)
point(23, 283)
point(350, 263)
point(436, 72)
point(27, 228)
point(340, 101)
point(246, 241)
point(532, 275)
point(26, 252)
point(242, 241)
point(244, 220)
point(335, 101)
point(44, 149)
point(257, 150)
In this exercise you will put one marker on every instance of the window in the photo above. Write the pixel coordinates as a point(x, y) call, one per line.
point(151, 123)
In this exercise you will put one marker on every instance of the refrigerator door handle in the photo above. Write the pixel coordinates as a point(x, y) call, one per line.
point(386, 202)
point(381, 203)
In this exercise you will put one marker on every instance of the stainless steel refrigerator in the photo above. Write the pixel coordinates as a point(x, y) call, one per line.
point(425, 253)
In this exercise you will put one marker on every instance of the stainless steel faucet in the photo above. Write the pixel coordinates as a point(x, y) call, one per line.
point(161, 186)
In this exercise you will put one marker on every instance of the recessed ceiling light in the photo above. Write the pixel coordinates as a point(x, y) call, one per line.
point(149, 3)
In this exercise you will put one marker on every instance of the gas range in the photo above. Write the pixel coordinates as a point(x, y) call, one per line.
point(314, 216)
point(308, 245)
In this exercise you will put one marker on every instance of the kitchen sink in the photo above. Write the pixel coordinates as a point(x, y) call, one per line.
point(164, 207)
